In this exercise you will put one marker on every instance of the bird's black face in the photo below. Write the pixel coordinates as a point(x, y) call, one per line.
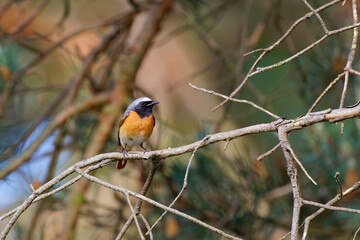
point(144, 108)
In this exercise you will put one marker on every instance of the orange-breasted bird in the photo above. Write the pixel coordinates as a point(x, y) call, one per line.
point(136, 126)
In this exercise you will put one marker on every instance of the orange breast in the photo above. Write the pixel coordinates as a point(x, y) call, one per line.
point(136, 128)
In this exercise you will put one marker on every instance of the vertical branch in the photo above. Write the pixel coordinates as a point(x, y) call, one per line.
point(184, 182)
point(135, 217)
point(350, 58)
point(145, 188)
point(292, 172)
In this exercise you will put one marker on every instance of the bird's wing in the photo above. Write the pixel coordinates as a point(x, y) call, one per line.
point(126, 114)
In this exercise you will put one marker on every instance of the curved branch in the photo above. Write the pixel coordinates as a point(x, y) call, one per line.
point(286, 126)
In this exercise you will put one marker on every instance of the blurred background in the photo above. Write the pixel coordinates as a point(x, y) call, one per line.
point(68, 70)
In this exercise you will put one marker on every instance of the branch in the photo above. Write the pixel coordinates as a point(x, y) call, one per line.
point(318, 17)
point(265, 51)
point(139, 196)
point(325, 91)
point(289, 148)
point(292, 172)
point(145, 188)
point(147, 226)
point(262, 156)
point(184, 184)
point(350, 58)
point(235, 100)
point(282, 126)
point(134, 217)
point(325, 206)
point(337, 198)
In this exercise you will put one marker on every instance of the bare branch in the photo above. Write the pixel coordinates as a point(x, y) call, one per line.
point(292, 172)
point(339, 184)
point(264, 155)
point(143, 198)
point(147, 226)
point(351, 210)
point(307, 221)
point(282, 126)
point(350, 58)
point(317, 16)
point(145, 188)
point(134, 216)
point(299, 163)
point(357, 231)
point(273, 46)
point(235, 100)
point(325, 91)
point(184, 183)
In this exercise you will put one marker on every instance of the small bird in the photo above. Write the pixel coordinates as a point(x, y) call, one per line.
point(136, 126)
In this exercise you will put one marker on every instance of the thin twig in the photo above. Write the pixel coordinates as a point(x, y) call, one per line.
point(226, 145)
point(339, 184)
point(235, 100)
point(317, 16)
point(264, 155)
point(135, 217)
point(270, 48)
point(357, 231)
point(307, 221)
point(300, 164)
point(309, 47)
point(344, 209)
point(325, 91)
point(350, 58)
point(147, 226)
point(184, 183)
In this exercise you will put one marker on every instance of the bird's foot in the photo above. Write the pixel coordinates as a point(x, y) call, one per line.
point(145, 150)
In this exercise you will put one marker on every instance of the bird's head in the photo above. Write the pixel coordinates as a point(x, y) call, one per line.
point(143, 106)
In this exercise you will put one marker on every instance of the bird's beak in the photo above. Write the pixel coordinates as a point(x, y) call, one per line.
point(153, 103)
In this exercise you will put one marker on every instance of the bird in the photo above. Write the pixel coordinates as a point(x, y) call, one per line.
point(136, 126)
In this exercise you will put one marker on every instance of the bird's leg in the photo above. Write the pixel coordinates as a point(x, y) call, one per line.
point(142, 146)
point(125, 153)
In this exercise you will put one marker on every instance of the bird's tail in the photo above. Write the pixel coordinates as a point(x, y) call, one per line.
point(121, 163)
